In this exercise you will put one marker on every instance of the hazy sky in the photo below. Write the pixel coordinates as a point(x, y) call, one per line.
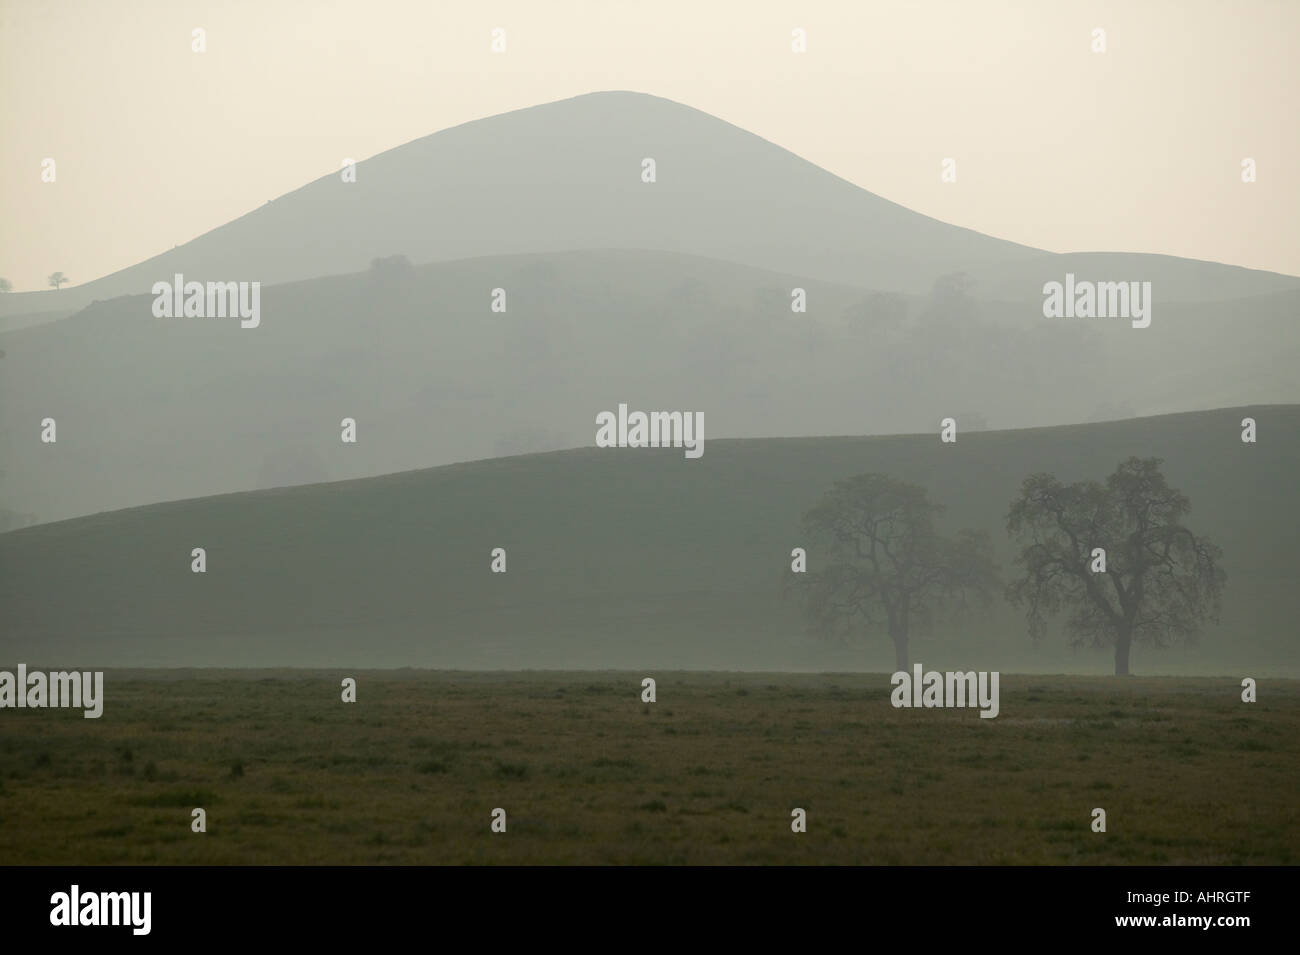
point(1135, 149)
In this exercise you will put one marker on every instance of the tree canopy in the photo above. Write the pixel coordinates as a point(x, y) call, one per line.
point(1116, 558)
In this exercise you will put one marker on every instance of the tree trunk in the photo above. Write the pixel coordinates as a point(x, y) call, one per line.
point(899, 636)
point(1123, 643)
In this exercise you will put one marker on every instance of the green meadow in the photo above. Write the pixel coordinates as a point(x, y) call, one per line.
point(708, 774)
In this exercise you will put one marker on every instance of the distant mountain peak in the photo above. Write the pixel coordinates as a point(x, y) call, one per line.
point(567, 175)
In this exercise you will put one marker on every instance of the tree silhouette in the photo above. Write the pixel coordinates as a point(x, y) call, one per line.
point(1159, 582)
point(57, 279)
point(876, 560)
point(6, 285)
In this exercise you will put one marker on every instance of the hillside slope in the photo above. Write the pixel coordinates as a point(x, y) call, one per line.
point(567, 175)
point(617, 558)
point(152, 409)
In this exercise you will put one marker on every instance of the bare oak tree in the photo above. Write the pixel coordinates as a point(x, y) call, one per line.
point(1153, 581)
point(877, 561)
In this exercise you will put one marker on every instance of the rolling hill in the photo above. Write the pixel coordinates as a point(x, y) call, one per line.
point(566, 176)
point(150, 409)
point(618, 558)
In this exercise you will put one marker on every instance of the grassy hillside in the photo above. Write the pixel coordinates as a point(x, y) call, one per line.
point(153, 409)
point(616, 558)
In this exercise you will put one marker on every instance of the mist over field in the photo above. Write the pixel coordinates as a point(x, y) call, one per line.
point(602, 434)
point(378, 304)
point(624, 558)
point(459, 303)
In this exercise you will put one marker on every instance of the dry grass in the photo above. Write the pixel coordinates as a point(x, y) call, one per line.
point(708, 774)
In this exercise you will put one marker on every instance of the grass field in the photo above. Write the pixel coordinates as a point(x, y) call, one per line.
point(587, 773)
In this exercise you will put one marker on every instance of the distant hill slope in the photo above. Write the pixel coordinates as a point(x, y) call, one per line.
point(617, 558)
point(567, 175)
point(151, 409)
